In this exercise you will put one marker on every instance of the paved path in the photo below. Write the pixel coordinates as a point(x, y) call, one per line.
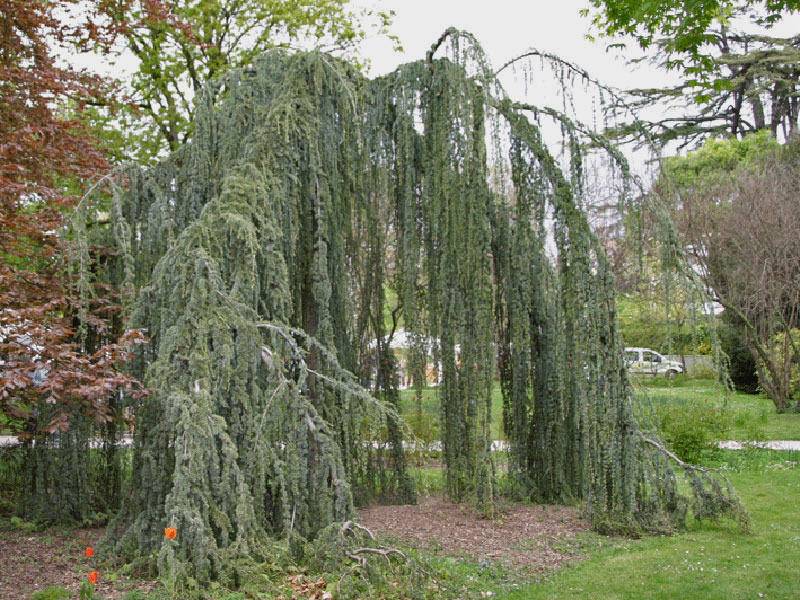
point(11, 440)
point(787, 445)
point(500, 445)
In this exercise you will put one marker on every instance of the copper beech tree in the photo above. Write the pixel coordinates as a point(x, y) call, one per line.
point(60, 344)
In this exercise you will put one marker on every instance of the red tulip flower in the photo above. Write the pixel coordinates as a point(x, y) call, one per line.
point(93, 576)
point(170, 533)
point(89, 552)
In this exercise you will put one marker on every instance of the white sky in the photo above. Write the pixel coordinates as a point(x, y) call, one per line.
point(505, 28)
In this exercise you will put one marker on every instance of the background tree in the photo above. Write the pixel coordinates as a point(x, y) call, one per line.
point(685, 24)
point(645, 321)
point(739, 221)
point(741, 365)
point(58, 347)
point(734, 77)
point(182, 45)
point(657, 305)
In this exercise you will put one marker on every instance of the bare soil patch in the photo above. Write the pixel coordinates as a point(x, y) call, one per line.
point(30, 562)
point(533, 537)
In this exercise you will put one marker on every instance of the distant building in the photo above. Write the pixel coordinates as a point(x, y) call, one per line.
point(402, 343)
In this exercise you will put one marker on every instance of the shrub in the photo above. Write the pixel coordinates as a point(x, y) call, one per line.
point(693, 430)
point(424, 426)
point(742, 367)
point(23, 525)
point(702, 370)
point(782, 352)
point(11, 469)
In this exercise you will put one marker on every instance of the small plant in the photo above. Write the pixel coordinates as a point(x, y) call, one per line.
point(55, 592)
point(23, 525)
point(428, 480)
point(424, 427)
point(86, 591)
point(171, 583)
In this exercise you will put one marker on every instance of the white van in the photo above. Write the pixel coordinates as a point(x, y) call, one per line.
point(644, 361)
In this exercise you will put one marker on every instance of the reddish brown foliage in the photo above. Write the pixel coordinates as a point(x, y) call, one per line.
point(43, 154)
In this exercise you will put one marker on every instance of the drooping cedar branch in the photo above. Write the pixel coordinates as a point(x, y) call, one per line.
point(260, 256)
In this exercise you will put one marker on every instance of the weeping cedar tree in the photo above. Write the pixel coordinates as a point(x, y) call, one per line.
point(256, 259)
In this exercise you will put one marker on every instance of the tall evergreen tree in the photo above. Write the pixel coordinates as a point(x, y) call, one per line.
point(256, 258)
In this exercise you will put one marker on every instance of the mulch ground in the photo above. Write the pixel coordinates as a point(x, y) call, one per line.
point(534, 537)
point(30, 562)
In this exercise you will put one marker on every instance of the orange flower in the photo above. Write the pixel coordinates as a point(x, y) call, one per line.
point(93, 575)
point(170, 533)
point(89, 552)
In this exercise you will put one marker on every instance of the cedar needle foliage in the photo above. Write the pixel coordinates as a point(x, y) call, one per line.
point(257, 259)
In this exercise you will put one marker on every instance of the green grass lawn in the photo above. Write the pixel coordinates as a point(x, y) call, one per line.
point(707, 561)
point(428, 428)
point(753, 416)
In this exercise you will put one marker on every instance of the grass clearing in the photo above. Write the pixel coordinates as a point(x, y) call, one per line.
point(427, 427)
point(753, 416)
point(707, 561)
